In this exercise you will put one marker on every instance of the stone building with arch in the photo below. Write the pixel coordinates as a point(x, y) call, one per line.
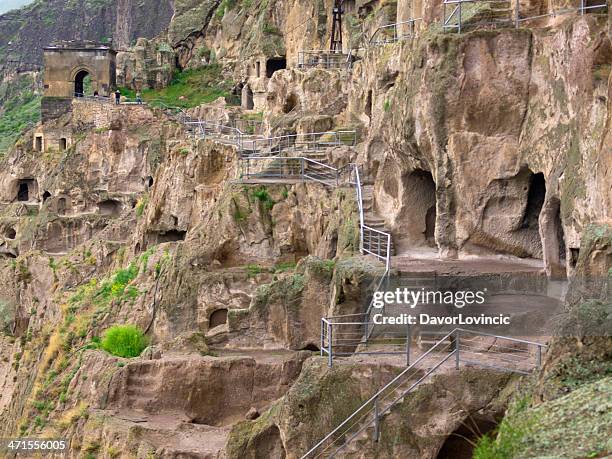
point(68, 65)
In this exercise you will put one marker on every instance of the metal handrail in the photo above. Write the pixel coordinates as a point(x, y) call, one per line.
point(411, 22)
point(373, 398)
point(517, 17)
point(371, 405)
point(325, 58)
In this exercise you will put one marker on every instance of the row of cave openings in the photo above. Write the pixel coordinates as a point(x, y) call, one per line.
point(419, 192)
point(272, 65)
point(26, 190)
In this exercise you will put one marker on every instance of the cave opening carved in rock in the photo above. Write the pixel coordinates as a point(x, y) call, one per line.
point(553, 239)
point(418, 218)
point(460, 444)
point(61, 206)
point(26, 189)
point(269, 444)
point(109, 208)
point(275, 64)
point(10, 233)
point(160, 237)
point(511, 217)
point(218, 317)
point(290, 103)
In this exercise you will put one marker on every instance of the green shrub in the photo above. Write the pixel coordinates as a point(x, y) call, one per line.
point(262, 195)
point(124, 341)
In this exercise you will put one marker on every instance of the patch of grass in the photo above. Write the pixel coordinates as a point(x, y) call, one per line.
point(508, 437)
point(253, 270)
point(188, 89)
point(124, 341)
point(19, 113)
point(285, 266)
point(262, 195)
point(224, 6)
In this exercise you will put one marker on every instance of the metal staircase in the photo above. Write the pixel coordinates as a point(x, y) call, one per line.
point(466, 347)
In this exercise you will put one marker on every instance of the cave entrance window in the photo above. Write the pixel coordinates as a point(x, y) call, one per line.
point(368, 106)
point(46, 195)
point(23, 193)
point(275, 64)
point(553, 240)
point(574, 253)
point(149, 181)
point(258, 69)
point(109, 208)
point(61, 206)
point(10, 233)
point(161, 237)
point(535, 201)
point(290, 103)
point(62, 144)
point(460, 444)
point(218, 317)
point(82, 83)
point(420, 208)
point(38, 143)
point(269, 443)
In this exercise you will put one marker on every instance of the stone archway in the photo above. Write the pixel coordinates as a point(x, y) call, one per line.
point(83, 77)
point(80, 83)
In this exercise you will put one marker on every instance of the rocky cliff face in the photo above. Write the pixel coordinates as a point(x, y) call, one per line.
point(493, 142)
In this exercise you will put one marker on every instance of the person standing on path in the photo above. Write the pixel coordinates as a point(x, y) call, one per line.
point(117, 97)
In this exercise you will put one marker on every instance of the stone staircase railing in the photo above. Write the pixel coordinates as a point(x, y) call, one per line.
point(459, 346)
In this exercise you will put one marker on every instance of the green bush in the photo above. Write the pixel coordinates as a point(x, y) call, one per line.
point(124, 341)
point(262, 195)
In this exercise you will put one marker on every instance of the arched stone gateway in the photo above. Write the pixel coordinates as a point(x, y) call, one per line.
point(79, 83)
point(67, 65)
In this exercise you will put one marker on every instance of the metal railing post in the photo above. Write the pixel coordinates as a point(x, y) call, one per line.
point(457, 349)
point(388, 252)
point(322, 336)
point(582, 7)
point(408, 340)
point(516, 14)
point(539, 356)
point(459, 17)
point(376, 421)
point(330, 359)
point(443, 16)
